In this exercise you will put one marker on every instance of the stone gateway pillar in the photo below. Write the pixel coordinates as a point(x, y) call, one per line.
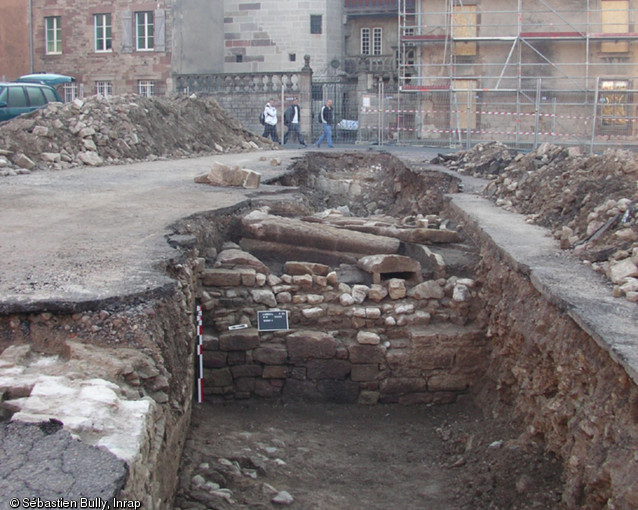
point(305, 99)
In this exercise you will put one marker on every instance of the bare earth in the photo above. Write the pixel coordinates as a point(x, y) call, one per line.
point(335, 456)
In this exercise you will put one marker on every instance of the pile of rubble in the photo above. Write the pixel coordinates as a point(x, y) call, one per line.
point(483, 160)
point(99, 130)
point(589, 202)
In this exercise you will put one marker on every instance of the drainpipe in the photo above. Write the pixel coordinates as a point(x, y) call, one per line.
point(30, 36)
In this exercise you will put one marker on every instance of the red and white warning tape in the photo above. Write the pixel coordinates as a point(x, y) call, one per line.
point(464, 111)
point(200, 354)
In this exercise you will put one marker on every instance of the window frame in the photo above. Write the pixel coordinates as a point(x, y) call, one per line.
point(365, 40)
point(316, 24)
point(53, 35)
point(377, 41)
point(144, 22)
point(69, 91)
point(103, 22)
point(614, 104)
point(146, 88)
point(104, 87)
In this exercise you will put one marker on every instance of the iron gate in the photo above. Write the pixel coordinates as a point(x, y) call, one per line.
point(344, 106)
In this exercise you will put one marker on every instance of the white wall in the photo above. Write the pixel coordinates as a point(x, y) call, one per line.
point(266, 32)
point(198, 36)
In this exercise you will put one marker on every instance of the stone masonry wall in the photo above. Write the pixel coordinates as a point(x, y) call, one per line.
point(396, 341)
point(118, 375)
point(561, 384)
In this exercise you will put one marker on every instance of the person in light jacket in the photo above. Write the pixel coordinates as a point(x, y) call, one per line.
point(270, 121)
point(326, 124)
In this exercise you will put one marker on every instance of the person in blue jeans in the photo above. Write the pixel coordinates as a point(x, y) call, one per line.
point(326, 124)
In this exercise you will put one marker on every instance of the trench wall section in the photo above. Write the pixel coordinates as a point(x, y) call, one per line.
point(567, 390)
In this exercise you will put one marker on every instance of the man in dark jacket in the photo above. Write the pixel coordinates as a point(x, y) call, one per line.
point(326, 124)
point(292, 116)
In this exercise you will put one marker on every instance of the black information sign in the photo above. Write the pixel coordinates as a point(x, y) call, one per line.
point(272, 320)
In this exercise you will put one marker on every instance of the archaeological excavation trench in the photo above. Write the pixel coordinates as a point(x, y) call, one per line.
point(426, 361)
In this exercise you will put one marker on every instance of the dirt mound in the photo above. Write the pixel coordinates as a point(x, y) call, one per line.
point(589, 202)
point(120, 129)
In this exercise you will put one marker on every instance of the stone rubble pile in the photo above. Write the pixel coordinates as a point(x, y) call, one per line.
point(370, 329)
point(99, 130)
point(589, 202)
point(482, 160)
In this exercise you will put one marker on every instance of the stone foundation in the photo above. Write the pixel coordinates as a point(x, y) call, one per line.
point(563, 386)
point(119, 377)
point(393, 341)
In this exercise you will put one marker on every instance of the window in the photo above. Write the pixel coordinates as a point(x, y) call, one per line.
point(144, 30)
point(50, 95)
point(104, 88)
point(292, 57)
point(36, 96)
point(377, 38)
point(17, 97)
point(464, 25)
point(239, 58)
point(613, 103)
point(70, 92)
point(146, 88)
point(615, 20)
point(315, 23)
point(53, 35)
point(365, 41)
point(102, 24)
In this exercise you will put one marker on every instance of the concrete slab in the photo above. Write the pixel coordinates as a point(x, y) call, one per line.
point(43, 465)
point(72, 238)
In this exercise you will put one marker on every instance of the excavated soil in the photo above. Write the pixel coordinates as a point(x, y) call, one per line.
point(336, 456)
point(588, 202)
point(262, 454)
point(329, 456)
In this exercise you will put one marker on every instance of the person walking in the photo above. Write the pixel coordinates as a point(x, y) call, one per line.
point(326, 124)
point(270, 121)
point(292, 116)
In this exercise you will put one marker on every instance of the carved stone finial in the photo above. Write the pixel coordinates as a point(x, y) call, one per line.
point(306, 66)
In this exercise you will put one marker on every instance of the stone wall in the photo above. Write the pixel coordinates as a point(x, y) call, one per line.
point(117, 375)
point(394, 341)
point(565, 389)
point(124, 68)
point(246, 94)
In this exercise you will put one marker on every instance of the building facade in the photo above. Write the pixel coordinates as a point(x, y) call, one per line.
point(14, 39)
point(525, 71)
point(272, 36)
point(138, 46)
point(434, 71)
point(115, 48)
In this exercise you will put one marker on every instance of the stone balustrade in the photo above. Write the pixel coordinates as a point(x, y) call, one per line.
point(238, 83)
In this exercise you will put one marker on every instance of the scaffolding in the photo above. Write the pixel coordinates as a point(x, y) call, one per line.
point(523, 72)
